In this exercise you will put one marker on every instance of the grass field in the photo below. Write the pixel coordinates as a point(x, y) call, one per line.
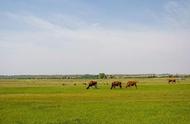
point(49, 102)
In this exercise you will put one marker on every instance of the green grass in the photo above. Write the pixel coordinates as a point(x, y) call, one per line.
point(49, 102)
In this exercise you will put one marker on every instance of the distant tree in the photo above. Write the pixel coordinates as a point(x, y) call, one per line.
point(102, 76)
point(111, 76)
point(88, 76)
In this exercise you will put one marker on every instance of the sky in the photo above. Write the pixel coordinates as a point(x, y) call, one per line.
point(93, 36)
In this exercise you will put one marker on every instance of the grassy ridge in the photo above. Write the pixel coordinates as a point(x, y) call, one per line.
point(48, 102)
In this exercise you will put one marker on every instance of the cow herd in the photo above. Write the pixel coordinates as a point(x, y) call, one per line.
point(130, 83)
point(113, 84)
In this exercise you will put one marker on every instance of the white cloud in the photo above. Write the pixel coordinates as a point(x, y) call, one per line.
point(51, 49)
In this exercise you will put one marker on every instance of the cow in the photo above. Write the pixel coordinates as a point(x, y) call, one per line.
point(173, 81)
point(116, 83)
point(131, 83)
point(92, 83)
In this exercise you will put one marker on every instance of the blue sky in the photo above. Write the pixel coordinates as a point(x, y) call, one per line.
point(92, 36)
point(106, 12)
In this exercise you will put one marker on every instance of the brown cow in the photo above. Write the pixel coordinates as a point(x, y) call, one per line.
point(131, 83)
point(116, 83)
point(173, 81)
point(92, 83)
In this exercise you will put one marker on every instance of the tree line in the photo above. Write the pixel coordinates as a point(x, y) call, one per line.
point(93, 76)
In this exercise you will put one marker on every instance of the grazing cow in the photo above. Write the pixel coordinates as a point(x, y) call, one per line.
point(131, 83)
point(173, 81)
point(116, 83)
point(92, 83)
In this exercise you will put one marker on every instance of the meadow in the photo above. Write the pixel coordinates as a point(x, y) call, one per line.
point(47, 101)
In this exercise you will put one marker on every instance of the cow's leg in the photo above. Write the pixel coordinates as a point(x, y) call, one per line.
point(174, 82)
point(88, 87)
point(136, 86)
point(111, 86)
point(120, 86)
point(95, 86)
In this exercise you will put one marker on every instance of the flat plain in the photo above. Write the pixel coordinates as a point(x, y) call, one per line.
point(48, 101)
